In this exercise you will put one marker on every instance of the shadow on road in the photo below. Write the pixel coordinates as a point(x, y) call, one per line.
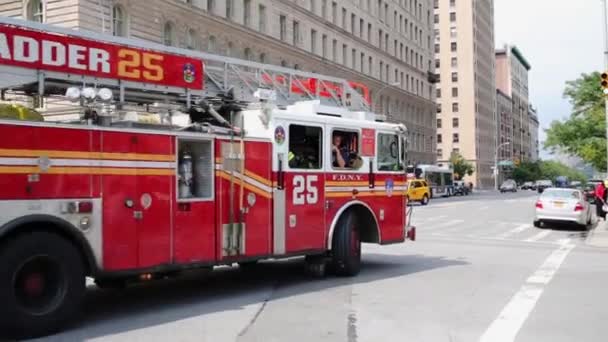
point(165, 301)
point(575, 231)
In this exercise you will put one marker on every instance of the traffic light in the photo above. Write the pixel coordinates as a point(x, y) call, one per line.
point(605, 82)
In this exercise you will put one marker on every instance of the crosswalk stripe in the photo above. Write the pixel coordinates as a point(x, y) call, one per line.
point(538, 236)
point(515, 230)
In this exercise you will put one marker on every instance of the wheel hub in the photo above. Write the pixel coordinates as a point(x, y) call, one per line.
point(39, 284)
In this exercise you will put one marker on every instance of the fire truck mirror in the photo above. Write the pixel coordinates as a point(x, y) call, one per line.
point(195, 169)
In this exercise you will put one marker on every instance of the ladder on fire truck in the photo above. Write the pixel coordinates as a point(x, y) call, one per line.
point(225, 80)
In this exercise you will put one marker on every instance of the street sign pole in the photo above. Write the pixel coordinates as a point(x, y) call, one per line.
point(605, 29)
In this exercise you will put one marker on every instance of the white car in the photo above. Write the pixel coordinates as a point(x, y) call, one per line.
point(562, 205)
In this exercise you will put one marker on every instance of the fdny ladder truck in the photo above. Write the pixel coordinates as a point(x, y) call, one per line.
point(151, 160)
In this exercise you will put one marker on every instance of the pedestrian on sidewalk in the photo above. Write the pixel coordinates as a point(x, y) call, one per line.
point(600, 200)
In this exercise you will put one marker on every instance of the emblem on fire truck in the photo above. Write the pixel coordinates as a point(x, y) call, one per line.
point(279, 135)
point(389, 187)
point(189, 73)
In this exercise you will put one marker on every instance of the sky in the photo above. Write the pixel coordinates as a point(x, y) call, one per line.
point(560, 38)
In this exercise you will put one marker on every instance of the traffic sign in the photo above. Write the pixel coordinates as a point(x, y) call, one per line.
point(505, 163)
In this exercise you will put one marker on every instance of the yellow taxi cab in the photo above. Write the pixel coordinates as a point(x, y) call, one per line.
point(418, 190)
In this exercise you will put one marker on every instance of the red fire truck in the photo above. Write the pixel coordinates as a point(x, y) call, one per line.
point(152, 160)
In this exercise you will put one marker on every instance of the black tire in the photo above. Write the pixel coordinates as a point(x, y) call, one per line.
point(42, 278)
point(538, 224)
point(425, 200)
point(346, 246)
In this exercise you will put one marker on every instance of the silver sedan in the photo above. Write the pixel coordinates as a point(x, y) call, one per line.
point(562, 205)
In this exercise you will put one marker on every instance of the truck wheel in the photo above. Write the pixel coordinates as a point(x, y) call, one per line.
point(346, 247)
point(42, 278)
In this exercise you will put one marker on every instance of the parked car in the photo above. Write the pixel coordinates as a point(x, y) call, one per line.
point(508, 186)
point(418, 190)
point(461, 188)
point(562, 205)
point(543, 184)
point(527, 186)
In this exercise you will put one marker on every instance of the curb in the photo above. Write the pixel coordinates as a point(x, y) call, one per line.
point(598, 236)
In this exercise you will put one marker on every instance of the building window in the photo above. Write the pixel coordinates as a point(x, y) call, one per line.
point(455, 138)
point(283, 27)
point(296, 32)
point(362, 62)
point(454, 77)
point(344, 54)
point(361, 28)
point(168, 33)
point(119, 22)
point(262, 58)
point(324, 46)
point(437, 48)
point(247, 54)
point(353, 23)
point(436, 19)
point(229, 9)
point(192, 40)
point(454, 62)
point(455, 122)
point(438, 93)
point(437, 63)
point(229, 49)
point(439, 153)
point(439, 139)
point(210, 6)
point(353, 57)
point(246, 12)
point(453, 17)
point(369, 33)
point(312, 5)
point(438, 123)
point(35, 11)
point(262, 18)
point(381, 64)
point(452, 3)
point(211, 44)
point(454, 92)
point(370, 65)
point(455, 107)
point(334, 12)
point(453, 47)
point(334, 50)
point(344, 18)
point(313, 41)
point(453, 32)
point(324, 9)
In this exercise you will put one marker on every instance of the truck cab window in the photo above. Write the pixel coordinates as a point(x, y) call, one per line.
point(305, 145)
point(345, 150)
point(388, 153)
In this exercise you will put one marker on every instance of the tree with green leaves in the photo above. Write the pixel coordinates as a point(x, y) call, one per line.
point(547, 169)
point(461, 166)
point(583, 134)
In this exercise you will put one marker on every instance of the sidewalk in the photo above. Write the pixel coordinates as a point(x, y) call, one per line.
point(598, 237)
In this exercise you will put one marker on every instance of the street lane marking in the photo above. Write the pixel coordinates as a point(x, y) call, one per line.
point(515, 230)
point(443, 224)
point(512, 317)
point(538, 236)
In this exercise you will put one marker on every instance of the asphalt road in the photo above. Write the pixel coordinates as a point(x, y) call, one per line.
point(478, 272)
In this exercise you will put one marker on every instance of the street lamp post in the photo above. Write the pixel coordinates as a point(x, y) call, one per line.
point(496, 163)
point(605, 29)
point(394, 84)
